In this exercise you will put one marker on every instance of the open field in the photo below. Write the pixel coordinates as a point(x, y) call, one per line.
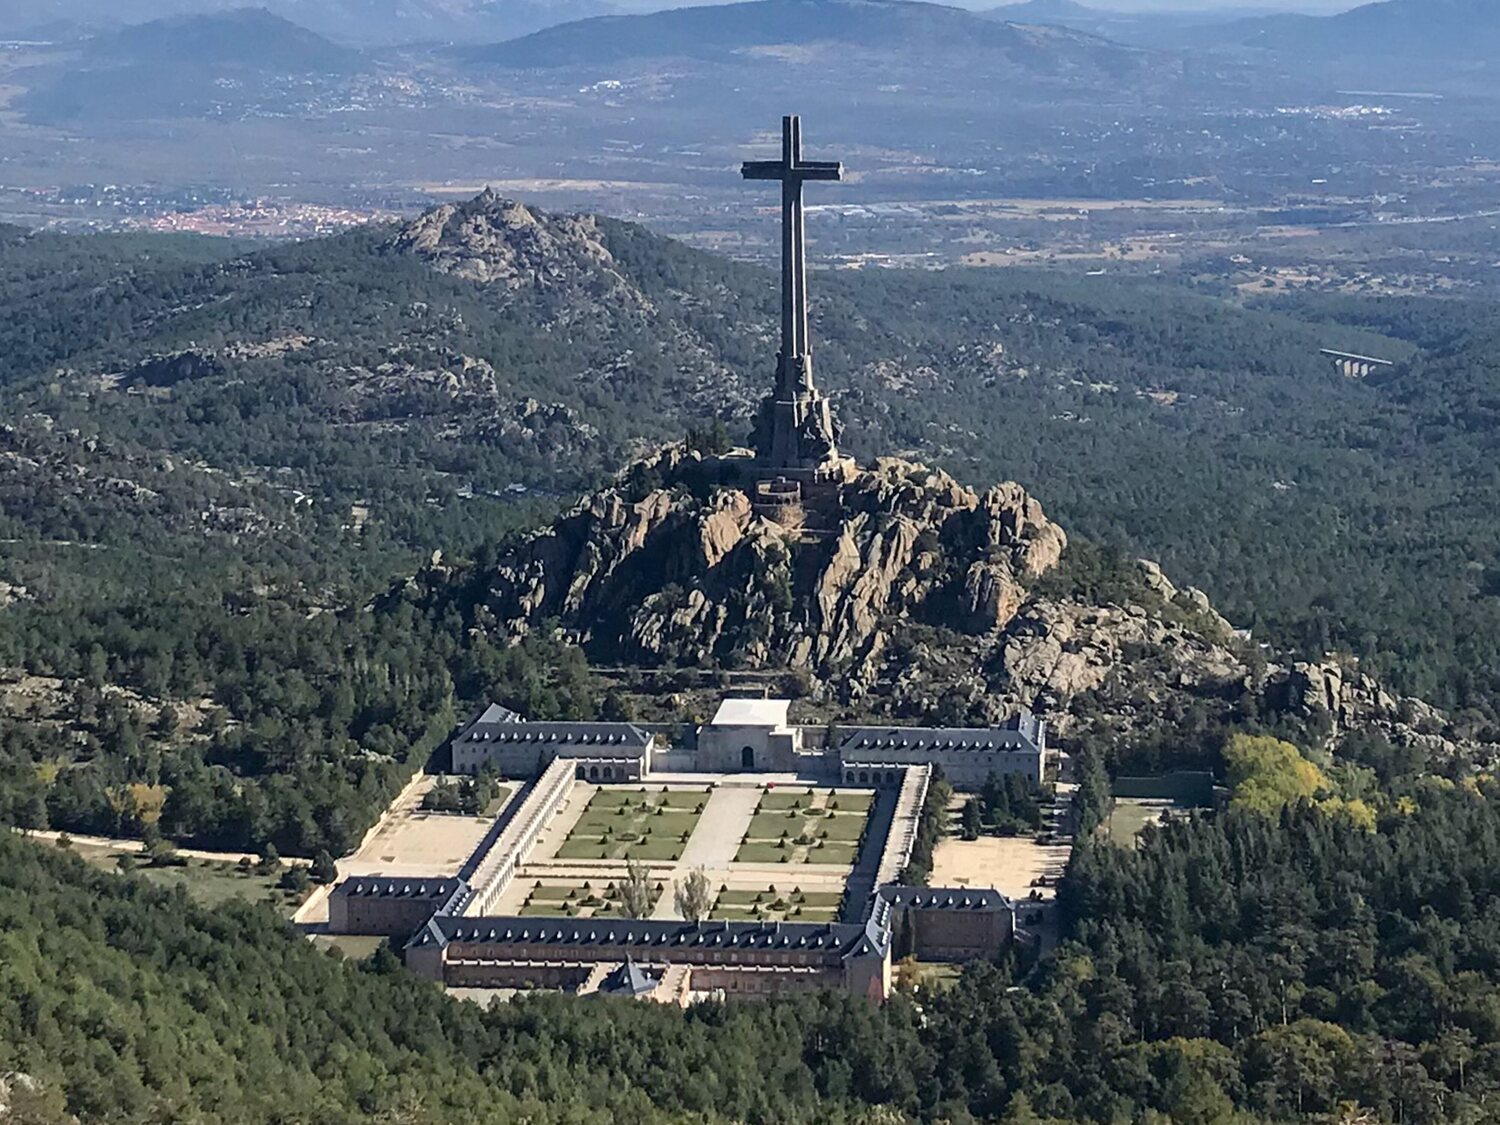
point(420, 843)
point(355, 947)
point(1131, 814)
point(623, 824)
point(911, 974)
point(1010, 864)
point(413, 842)
point(822, 826)
point(206, 882)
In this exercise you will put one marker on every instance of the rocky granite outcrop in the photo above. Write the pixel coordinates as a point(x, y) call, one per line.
point(574, 276)
point(918, 598)
point(683, 570)
point(498, 241)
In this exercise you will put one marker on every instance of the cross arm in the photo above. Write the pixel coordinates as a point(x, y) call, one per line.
point(777, 170)
point(763, 170)
point(820, 170)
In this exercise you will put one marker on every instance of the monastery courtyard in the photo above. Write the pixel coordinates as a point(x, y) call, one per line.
point(771, 847)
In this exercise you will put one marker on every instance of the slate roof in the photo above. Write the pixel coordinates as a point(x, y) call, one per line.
point(608, 739)
point(384, 886)
point(1024, 733)
point(495, 713)
point(443, 893)
point(653, 936)
point(628, 979)
point(944, 898)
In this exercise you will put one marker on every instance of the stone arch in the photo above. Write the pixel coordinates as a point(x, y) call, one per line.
point(864, 777)
point(609, 773)
point(593, 773)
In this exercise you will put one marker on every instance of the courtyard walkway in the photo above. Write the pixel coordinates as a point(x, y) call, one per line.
point(723, 825)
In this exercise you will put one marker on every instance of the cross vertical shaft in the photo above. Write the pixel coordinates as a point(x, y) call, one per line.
point(796, 432)
point(794, 245)
point(793, 172)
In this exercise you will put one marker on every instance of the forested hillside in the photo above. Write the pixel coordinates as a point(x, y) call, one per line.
point(213, 457)
point(1258, 965)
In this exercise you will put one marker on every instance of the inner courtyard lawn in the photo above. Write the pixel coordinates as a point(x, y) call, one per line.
point(822, 826)
point(639, 823)
point(773, 905)
point(597, 898)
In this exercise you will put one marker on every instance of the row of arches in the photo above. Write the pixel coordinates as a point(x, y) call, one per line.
point(871, 777)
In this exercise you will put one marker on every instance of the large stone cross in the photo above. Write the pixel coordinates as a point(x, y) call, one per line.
point(794, 367)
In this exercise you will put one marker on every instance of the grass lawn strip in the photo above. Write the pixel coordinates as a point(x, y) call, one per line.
point(809, 826)
point(773, 905)
point(599, 899)
point(833, 854)
point(634, 824)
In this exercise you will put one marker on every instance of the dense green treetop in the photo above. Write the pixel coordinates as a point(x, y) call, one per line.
point(1234, 967)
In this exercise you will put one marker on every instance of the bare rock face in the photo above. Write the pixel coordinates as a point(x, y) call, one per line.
point(992, 596)
point(1353, 700)
point(678, 569)
point(916, 597)
point(1060, 652)
point(497, 241)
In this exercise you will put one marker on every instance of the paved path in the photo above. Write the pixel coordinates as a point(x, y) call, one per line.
point(720, 829)
point(714, 842)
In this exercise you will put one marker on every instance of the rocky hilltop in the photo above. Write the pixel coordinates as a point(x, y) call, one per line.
point(678, 573)
point(594, 284)
point(494, 240)
point(923, 599)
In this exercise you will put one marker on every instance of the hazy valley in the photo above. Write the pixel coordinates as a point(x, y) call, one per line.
point(1008, 143)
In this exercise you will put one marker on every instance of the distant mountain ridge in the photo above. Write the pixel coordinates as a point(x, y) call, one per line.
point(1043, 11)
point(1467, 29)
point(187, 66)
point(402, 21)
point(911, 29)
point(358, 22)
point(247, 37)
point(1426, 28)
